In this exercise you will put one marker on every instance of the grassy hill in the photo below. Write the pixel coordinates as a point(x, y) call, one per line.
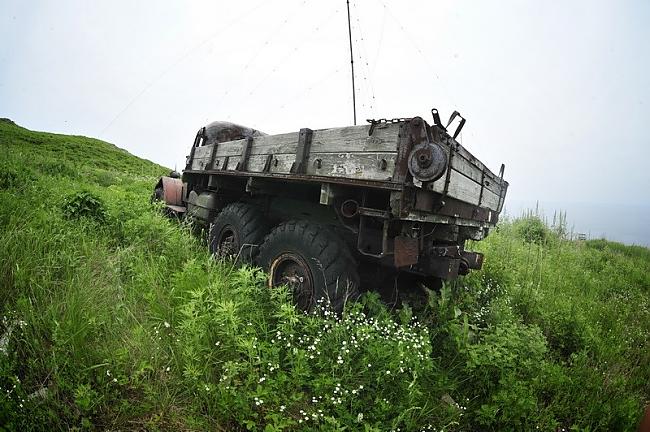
point(114, 317)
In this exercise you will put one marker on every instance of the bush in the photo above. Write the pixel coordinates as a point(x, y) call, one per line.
point(84, 205)
point(532, 229)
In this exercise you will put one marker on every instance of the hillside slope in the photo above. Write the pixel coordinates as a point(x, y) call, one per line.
point(114, 317)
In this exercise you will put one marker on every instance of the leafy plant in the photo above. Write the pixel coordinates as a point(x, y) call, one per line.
point(532, 229)
point(84, 205)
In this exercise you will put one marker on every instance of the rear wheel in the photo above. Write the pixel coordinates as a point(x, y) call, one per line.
point(313, 261)
point(237, 232)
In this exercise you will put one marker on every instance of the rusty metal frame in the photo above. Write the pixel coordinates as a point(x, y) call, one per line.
point(245, 152)
point(302, 152)
point(302, 178)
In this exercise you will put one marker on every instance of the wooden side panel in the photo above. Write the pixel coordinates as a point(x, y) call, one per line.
point(349, 152)
point(467, 190)
point(201, 157)
point(280, 164)
point(356, 139)
point(362, 166)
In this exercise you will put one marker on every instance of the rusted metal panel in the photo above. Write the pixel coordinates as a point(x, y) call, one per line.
point(406, 251)
point(474, 259)
point(445, 268)
point(173, 191)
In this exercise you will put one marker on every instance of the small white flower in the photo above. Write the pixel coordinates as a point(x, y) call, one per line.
point(166, 324)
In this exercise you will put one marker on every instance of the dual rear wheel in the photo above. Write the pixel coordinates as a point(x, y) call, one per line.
point(309, 258)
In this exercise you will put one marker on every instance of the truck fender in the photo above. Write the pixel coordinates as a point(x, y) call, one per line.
point(169, 190)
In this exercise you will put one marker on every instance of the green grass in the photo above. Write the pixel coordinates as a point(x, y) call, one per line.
point(129, 324)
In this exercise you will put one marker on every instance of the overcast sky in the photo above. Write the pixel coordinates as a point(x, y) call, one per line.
point(558, 91)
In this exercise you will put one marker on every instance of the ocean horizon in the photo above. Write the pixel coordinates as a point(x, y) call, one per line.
point(624, 223)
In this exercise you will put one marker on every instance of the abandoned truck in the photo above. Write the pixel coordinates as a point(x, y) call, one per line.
point(316, 207)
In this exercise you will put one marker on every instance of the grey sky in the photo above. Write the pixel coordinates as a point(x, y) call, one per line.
point(559, 91)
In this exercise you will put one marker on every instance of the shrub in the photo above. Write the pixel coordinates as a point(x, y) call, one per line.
point(84, 205)
point(532, 229)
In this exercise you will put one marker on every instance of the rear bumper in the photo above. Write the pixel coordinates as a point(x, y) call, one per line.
point(446, 262)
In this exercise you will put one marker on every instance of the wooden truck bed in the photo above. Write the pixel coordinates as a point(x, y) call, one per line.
point(360, 155)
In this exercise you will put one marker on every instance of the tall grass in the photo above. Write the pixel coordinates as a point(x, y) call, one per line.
point(117, 318)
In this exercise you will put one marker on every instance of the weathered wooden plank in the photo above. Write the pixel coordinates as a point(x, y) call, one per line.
point(366, 166)
point(460, 187)
point(356, 139)
point(269, 144)
point(461, 164)
point(280, 164)
point(202, 152)
point(349, 152)
point(490, 200)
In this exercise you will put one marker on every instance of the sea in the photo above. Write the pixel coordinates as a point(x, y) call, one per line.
point(624, 223)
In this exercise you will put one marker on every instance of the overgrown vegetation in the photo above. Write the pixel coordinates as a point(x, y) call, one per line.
point(116, 318)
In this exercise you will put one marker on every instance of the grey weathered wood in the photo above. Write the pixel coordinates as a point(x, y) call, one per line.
point(349, 152)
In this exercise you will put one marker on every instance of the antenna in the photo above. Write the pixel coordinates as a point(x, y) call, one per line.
point(354, 100)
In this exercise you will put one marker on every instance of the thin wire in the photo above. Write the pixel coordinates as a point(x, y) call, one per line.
point(291, 53)
point(416, 46)
point(381, 38)
point(311, 87)
point(179, 60)
point(354, 101)
point(367, 80)
point(262, 48)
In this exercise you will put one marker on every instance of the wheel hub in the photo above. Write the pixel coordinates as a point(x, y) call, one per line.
point(228, 242)
point(292, 270)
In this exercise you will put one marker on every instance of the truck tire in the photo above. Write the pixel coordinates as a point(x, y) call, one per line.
point(313, 261)
point(237, 232)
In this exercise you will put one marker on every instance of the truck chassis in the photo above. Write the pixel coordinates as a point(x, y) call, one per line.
point(313, 208)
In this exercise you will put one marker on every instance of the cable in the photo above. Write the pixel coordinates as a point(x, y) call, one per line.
point(367, 79)
point(291, 53)
point(381, 38)
point(314, 84)
point(262, 47)
point(416, 47)
point(179, 60)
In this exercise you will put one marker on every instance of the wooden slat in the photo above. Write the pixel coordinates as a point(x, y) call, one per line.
point(356, 139)
point(349, 152)
point(364, 166)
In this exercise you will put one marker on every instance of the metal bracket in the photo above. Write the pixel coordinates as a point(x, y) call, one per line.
point(452, 148)
point(436, 118)
point(213, 154)
point(501, 190)
point(460, 126)
point(480, 196)
point(267, 164)
point(245, 152)
point(302, 152)
point(197, 140)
